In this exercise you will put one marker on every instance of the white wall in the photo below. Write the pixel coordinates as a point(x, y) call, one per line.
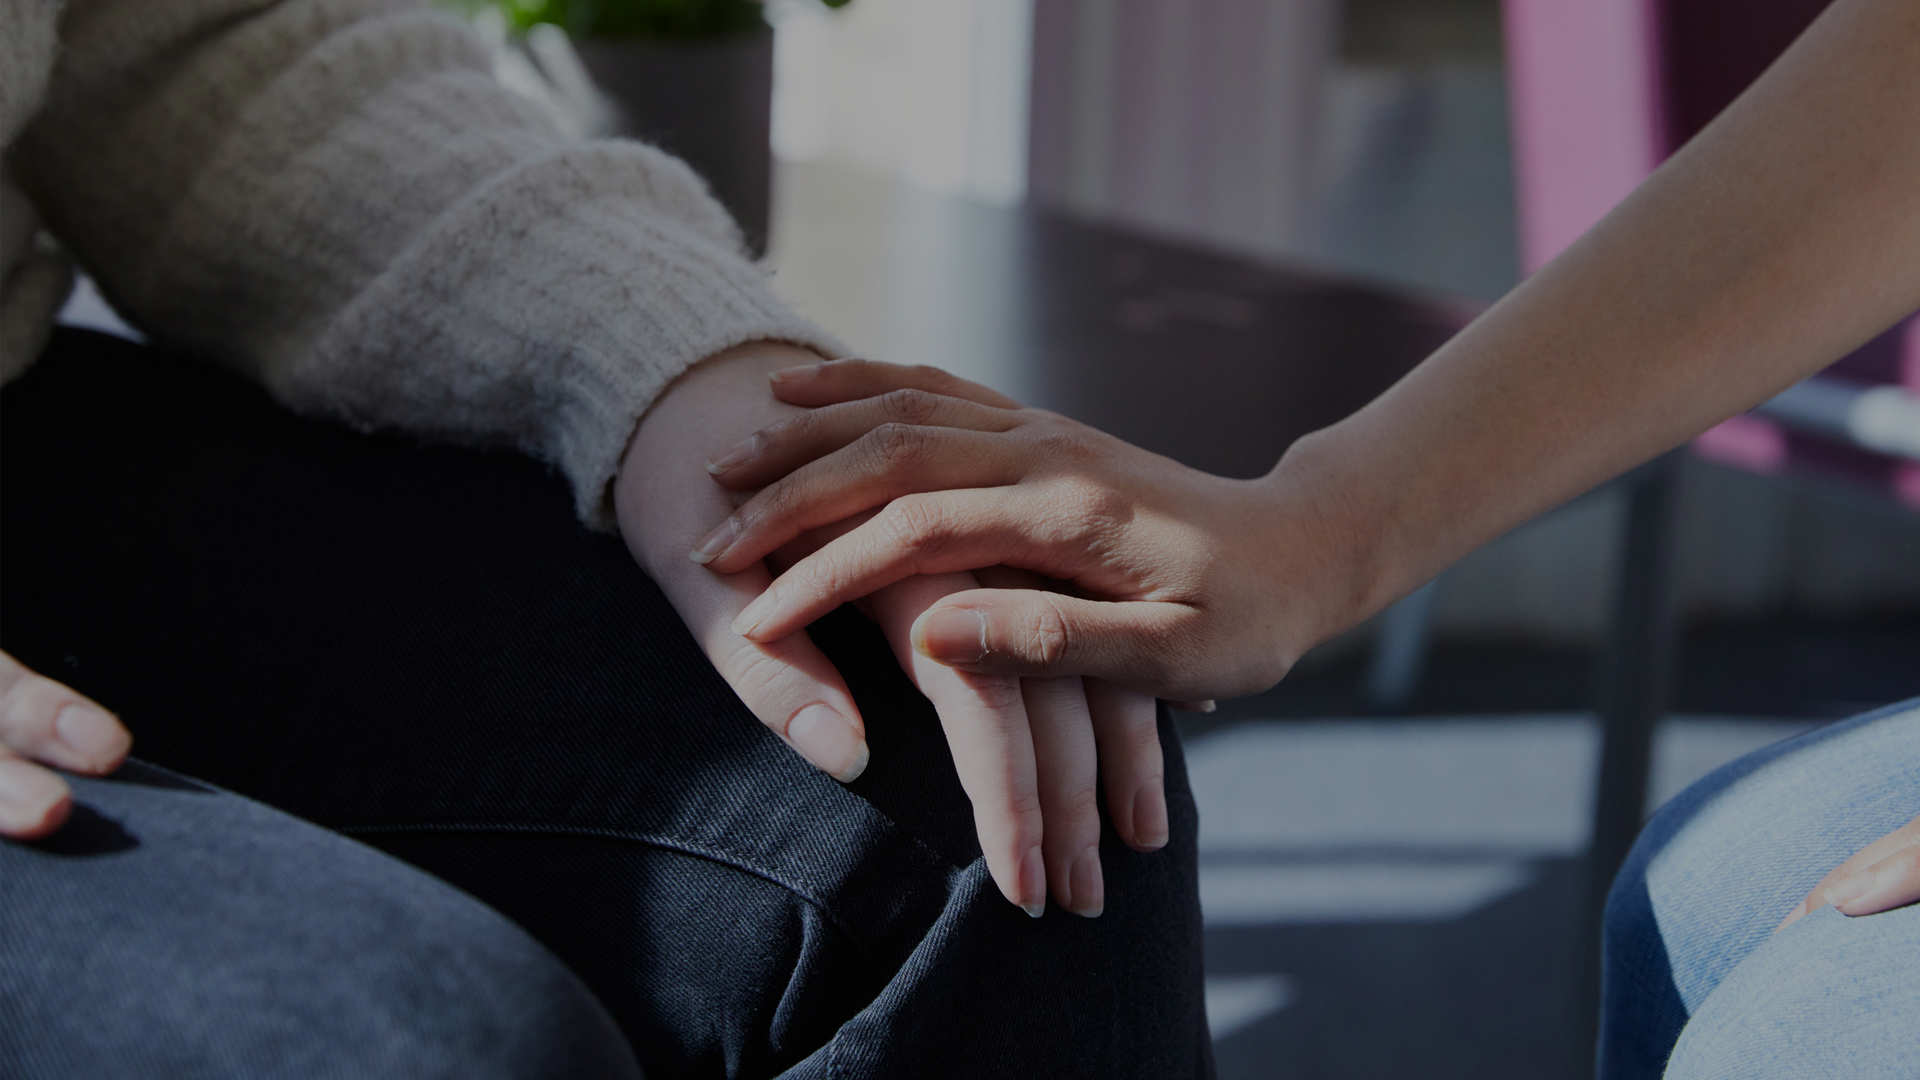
point(931, 90)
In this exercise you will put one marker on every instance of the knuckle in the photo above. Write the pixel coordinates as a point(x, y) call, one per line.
point(752, 672)
point(914, 525)
point(910, 405)
point(1023, 809)
point(1078, 803)
point(1044, 636)
point(894, 444)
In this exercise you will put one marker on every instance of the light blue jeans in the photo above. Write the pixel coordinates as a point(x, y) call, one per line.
point(1697, 984)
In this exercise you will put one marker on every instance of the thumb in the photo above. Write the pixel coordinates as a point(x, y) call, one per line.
point(1035, 632)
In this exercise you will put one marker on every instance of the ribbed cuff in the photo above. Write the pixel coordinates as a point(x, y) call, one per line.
point(548, 310)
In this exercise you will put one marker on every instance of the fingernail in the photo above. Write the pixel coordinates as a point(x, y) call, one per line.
point(954, 635)
point(26, 794)
point(1086, 891)
point(715, 542)
point(1150, 817)
point(829, 740)
point(755, 613)
point(1849, 889)
point(90, 733)
point(792, 373)
point(1033, 882)
point(736, 456)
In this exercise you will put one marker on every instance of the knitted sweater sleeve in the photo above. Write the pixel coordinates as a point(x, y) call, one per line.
point(336, 197)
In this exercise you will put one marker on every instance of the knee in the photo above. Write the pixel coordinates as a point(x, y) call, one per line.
point(1829, 996)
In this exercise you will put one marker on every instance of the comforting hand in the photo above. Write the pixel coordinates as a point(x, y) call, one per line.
point(43, 721)
point(1024, 753)
point(1884, 875)
point(1189, 586)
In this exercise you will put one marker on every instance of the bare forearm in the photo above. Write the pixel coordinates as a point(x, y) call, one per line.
point(1784, 235)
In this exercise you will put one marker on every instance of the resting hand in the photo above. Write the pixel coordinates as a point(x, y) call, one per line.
point(1023, 753)
point(1883, 876)
point(1192, 586)
point(43, 721)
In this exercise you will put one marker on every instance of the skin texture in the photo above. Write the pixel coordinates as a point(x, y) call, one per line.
point(1785, 235)
point(43, 723)
point(1029, 753)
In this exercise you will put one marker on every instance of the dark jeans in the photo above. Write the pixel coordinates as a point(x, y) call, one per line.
point(420, 647)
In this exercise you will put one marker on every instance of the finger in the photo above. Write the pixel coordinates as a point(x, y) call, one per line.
point(847, 380)
point(889, 461)
point(1894, 841)
point(1890, 883)
point(777, 450)
point(1205, 705)
point(789, 685)
point(1068, 770)
point(48, 721)
point(986, 725)
point(1135, 644)
point(1126, 729)
point(33, 801)
point(1126, 740)
point(938, 533)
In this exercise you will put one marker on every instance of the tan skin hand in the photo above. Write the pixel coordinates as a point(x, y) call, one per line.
point(43, 723)
point(1025, 752)
point(1180, 591)
point(1883, 876)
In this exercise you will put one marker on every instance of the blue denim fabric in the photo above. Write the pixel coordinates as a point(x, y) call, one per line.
point(420, 647)
point(172, 930)
point(1696, 983)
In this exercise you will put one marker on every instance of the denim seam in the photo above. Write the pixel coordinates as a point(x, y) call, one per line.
point(723, 857)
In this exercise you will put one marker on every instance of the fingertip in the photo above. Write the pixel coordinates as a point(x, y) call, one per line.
point(1030, 891)
point(33, 800)
point(950, 635)
point(830, 740)
point(1150, 831)
point(1085, 886)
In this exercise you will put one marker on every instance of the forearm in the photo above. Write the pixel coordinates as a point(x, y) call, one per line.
point(337, 198)
point(1783, 236)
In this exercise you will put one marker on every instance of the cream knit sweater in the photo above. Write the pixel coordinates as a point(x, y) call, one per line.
point(336, 198)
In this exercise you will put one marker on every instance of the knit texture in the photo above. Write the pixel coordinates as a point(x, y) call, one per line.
point(338, 199)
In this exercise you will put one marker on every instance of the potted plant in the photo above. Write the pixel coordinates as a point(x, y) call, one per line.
point(692, 76)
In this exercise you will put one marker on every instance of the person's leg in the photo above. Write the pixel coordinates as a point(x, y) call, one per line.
point(171, 929)
point(420, 646)
point(1690, 919)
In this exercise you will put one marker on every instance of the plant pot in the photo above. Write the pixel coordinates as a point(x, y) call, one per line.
point(708, 102)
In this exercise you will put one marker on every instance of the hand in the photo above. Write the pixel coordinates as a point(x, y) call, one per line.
point(1200, 586)
point(1883, 876)
point(44, 721)
point(1023, 754)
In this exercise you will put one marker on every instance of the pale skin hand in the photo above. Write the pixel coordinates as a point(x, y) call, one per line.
point(43, 723)
point(1883, 876)
point(1026, 754)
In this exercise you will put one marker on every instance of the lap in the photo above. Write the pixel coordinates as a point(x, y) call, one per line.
point(1692, 914)
point(174, 929)
point(421, 647)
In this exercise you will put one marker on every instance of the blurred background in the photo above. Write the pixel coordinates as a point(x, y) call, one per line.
point(1215, 224)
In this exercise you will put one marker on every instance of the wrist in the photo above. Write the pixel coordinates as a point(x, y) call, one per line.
point(1337, 534)
point(713, 404)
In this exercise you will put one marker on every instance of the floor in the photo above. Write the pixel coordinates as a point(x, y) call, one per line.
point(1400, 896)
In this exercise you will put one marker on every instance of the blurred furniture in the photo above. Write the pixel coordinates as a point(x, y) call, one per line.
point(1600, 95)
point(1214, 360)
